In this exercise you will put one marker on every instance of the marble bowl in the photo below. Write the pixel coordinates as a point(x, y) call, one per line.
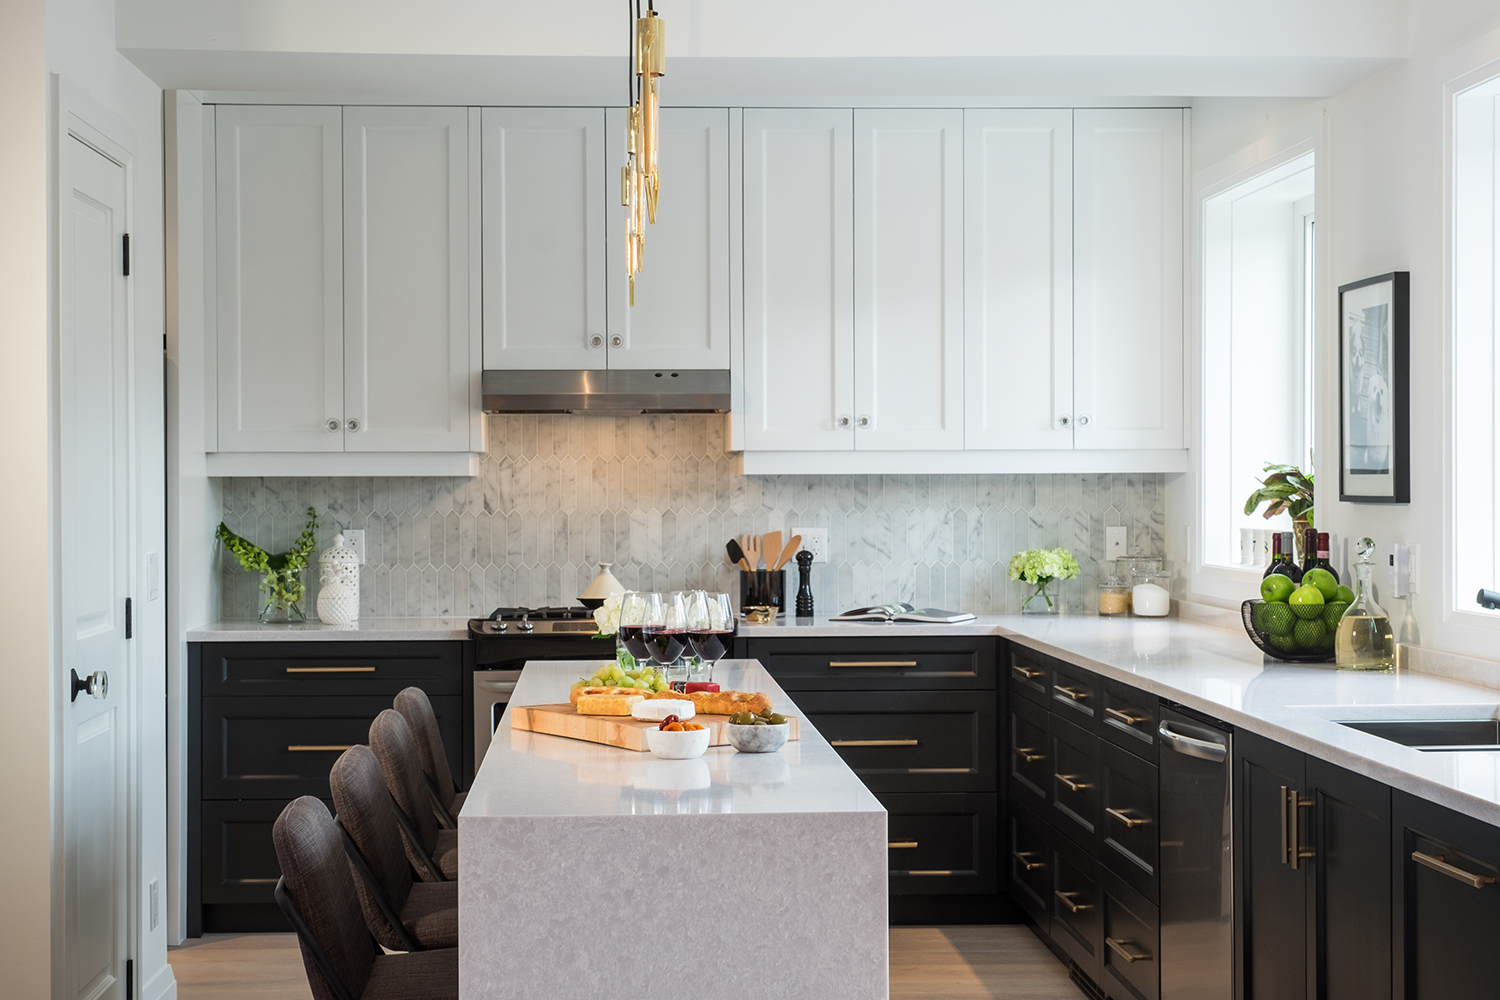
point(758, 739)
point(678, 746)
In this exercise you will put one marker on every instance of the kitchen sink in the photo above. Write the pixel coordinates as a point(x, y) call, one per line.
point(1444, 735)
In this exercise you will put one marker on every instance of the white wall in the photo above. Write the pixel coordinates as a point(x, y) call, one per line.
point(80, 49)
point(26, 922)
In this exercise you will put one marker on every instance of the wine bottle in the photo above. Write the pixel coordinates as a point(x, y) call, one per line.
point(1286, 565)
point(1309, 549)
point(1323, 562)
point(1275, 555)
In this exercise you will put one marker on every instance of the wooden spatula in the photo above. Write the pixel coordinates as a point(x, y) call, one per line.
point(790, 550)
point(751, 545)
point(770, 547)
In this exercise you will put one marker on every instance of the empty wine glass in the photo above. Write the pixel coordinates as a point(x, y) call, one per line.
point(664, 629)
point(632, 619)
point(711, 626)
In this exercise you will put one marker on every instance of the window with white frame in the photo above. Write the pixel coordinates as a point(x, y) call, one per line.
point(1258, 308)
point(1476, 228)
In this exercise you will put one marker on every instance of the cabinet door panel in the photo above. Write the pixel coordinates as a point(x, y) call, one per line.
point(1030, 862)
point(1030, 759)
point(681, 314)
point(942, 844)
point(408, 370)
point(1018, 288)
point(911, 741)
point(1351, 833)
point(876, 664)
point(1127, 246)
point(544, 190)
point(1077, 905)
point(1272, 895)
point(1074, 755)
point(799, 279)
point(279, 287)
point(908, 279)
point(1129, 834)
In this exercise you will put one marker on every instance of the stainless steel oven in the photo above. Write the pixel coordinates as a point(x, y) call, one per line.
point(492, 691)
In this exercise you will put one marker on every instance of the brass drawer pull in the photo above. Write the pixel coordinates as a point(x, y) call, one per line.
point(1119, 948)
point(317, 748)
point(1066, 692)
point(873, 743)
point(330, 670)
point(1022, 674)
point(1438, 863)
point(1028, 755)
point(1065, 898)
point(1291, 848)
point(1130, 822)
point(902, 843)
point(1023, 858)
point(1125, 717)
point(872, 663)
point(1073, 786)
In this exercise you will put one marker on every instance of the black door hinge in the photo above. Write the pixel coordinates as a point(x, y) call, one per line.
point(127, 618)
point(126, 254)
point(129, 979)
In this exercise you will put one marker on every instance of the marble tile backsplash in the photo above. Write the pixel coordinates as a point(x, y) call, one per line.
point(657, 496)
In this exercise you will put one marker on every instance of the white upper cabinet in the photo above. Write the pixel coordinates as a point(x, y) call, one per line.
point(279, 287)
point(544, 202)
point(799, 279)
point(1018, 290)
point(908, 279)
point(1128, 312)
point(681, 314)
point(409, 330)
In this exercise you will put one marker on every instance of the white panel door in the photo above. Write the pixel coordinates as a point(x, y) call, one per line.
point(94, 489)
point(1018, 289)
point(280, 278)
point(799, 279)
point(908, 279)
point(407, 364)
point(1127, 332)
point(681, 313)
point(544, 194)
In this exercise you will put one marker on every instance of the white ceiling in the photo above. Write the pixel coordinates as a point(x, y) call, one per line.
point(574, 49)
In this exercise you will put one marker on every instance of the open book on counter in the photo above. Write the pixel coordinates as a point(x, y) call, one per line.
point(903, 613)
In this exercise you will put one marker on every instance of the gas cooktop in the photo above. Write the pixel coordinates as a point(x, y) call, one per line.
point(535, 622)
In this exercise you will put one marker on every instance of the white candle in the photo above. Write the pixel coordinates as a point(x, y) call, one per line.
point(1150, 601)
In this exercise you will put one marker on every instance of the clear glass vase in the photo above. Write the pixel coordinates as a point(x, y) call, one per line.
point(623, 656)
point(284, 592)
point(1043, 598)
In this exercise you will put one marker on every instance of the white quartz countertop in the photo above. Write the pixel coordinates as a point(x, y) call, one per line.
point(364, 630)
point(533, 774)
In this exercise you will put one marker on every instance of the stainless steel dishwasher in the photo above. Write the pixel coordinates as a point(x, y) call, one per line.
point(1197, 876)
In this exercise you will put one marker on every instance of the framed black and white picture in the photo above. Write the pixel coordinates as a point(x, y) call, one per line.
point(1374, 418)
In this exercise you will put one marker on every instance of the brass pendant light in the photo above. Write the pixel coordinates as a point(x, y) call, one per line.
point(639, 180)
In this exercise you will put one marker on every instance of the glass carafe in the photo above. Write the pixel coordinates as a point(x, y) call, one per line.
point(1363, 639)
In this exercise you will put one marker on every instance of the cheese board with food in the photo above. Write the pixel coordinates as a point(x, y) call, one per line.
point(625, 723)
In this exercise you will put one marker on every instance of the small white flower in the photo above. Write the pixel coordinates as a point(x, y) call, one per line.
point(607, 615)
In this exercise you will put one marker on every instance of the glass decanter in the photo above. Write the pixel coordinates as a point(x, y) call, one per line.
point(1363, 639)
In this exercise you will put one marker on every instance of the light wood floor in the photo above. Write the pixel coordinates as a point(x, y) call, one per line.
point(951, 963)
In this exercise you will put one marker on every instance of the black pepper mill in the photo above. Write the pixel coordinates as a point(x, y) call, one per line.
point(804, 584)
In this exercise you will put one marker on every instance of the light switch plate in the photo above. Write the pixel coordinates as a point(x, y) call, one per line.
point(814, 540)
point(1114, 542)
point(355, 539)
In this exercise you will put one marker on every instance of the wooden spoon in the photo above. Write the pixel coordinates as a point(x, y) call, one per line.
point(737, 554)
point(770, 546)
point(787, 553)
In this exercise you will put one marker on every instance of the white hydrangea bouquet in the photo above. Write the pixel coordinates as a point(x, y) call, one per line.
point(607, 615)
point(1040, 567)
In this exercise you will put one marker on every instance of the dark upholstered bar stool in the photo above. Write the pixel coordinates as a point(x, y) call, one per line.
point(432, 852)
point(404, 915)
point(414, 707)
point(317, 894)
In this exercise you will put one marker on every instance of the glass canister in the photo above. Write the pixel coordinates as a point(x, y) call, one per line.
point(1151, 592)
point(1114, 592)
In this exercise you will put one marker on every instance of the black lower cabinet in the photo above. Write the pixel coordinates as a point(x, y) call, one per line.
point(1076, 907)
point(1030, 862)
point(941, 844)
point(1447, 871)
point(1314, 901)
point(1132, 938)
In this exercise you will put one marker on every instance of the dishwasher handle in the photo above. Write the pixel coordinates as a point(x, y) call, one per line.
point(1192, 747)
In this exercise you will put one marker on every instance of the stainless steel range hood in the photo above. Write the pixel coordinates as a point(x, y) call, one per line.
point(606, 392)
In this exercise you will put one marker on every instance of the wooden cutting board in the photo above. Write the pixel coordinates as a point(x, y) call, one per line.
point(612, 730)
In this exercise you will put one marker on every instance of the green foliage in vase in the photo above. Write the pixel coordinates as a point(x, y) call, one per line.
point(1039, 567)
point(281, 574)
point(1288, 489)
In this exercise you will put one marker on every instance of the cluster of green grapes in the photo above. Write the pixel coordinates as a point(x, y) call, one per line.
point(613, 675)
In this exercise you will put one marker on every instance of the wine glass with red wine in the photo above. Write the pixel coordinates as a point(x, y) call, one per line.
point(711, 626)
point(665, 628)
point(632, 621)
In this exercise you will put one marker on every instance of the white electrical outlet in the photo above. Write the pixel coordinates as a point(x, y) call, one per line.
point(355, 539)
point(814, 540)
point(1114, 542)
point(1412, 576)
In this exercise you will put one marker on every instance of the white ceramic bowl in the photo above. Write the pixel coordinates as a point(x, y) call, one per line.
point(677, 746)
point(758, 739)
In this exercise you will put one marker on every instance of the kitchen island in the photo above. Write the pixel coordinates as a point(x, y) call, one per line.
point(593, 872)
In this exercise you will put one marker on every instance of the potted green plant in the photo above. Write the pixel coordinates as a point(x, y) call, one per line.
point(281, 574)
point(1287, 489)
